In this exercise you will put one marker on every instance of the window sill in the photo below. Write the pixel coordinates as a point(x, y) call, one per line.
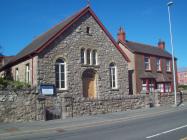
point(148, 70)
point(115, 89)
point(159, 71)
point(87, 65)
point(168, 71)
point(61, 90)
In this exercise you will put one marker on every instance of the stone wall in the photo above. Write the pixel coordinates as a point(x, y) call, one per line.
point(17, 106)
point(168, 99)
point(85, 106)
point(26, 105)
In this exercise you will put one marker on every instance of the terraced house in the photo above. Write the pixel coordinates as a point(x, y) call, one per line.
point(150, 67)
point(78, 56)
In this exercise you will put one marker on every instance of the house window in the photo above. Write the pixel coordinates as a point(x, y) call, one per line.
point(94, 57)
point(160, 87)
point(148, 85)
point(168, 87)
point(113, 76)
point(144, 85)
point(168, 65)
point(88, 56)
point(83, 56)
point(147, 63)
point(17, 75)
point(60, 71)
point(151, 85)
point(158, 64)
point(88, 30)
point(27, 73)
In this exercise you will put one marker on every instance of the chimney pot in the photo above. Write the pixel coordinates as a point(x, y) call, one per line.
point(161, 44)
point(121, 35)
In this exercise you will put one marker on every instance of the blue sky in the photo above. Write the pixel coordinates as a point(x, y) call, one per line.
point(145, 21)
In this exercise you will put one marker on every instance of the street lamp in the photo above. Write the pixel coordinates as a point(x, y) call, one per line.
point(173, 61)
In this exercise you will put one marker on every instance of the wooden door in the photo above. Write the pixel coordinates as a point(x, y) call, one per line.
point(89, 89)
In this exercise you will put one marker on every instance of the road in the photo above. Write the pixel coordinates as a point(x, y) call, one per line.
point(166, 126)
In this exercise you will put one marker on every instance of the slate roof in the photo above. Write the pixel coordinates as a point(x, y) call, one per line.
point(136, 47)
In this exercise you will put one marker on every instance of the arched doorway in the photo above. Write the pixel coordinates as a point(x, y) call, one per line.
point(89, 83)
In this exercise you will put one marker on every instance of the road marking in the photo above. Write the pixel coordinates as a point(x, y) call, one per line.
point(165, 132)
point(88, 125)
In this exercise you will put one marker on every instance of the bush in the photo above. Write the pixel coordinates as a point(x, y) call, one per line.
point(4, 83)
point(183, 87)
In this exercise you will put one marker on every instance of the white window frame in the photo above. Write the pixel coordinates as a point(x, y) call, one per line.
point(147, 63)
point(94, 51)
point(167, 87)
point(144, 85)
point(151, 85)
point(90, 53)
point(160, 87)
point(113, 77)
point(59, 76)
point(168, 65)
point(27, 73)
point(84, 57)
point(158, 64)
point(17, 74)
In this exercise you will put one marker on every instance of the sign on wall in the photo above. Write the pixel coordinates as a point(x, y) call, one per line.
point(46, 89)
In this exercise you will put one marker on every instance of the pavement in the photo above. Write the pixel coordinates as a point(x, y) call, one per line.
point(103, 126)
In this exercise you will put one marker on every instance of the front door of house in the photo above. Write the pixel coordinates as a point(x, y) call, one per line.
point(89, 84)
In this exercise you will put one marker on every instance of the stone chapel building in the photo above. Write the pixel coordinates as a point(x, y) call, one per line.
point(78, 56)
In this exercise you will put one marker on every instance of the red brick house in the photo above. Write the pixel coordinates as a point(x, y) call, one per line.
point(182, 77)
point(150, 67)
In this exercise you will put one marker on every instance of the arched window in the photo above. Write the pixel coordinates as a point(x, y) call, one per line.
point(83, 56)
point(60, 71)
point(94, 57)
point(88, 57)
point(113, 76)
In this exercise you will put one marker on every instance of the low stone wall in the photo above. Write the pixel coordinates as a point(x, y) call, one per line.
point(169, 99)
point(18, 106)
point(85, 106)
point(26, 105)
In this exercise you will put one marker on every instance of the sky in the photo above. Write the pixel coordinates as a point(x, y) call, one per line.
point(144, 21)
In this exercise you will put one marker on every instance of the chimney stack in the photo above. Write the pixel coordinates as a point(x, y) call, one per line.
point(121, 35)
point(161, 44)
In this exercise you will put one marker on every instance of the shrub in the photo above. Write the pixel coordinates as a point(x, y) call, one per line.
point(183, 87)
point(4, 83)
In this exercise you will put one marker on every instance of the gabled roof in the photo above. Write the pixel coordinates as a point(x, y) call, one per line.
point(135, 47)
point(41, 42)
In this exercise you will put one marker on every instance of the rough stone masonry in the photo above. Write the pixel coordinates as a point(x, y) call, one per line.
point(26, 105)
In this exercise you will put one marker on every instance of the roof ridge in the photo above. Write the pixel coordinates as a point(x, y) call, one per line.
point(145, 44)
point(137, 47)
